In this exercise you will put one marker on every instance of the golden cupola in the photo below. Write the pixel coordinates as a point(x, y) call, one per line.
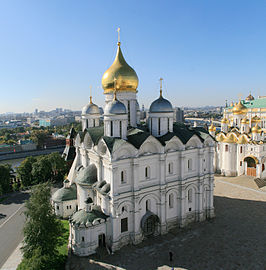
point(125, 76)
point(256, 129)
point(224, 120)
point(239, 108)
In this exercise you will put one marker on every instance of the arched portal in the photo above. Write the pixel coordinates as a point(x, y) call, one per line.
point(251, 165)
point(150, 223)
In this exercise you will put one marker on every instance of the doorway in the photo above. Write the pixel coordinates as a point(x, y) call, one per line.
point(101, 240)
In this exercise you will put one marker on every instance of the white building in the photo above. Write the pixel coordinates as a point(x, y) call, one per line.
point(241, 146)
point(133, 181)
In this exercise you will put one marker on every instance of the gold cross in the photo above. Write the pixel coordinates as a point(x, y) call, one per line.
point(90, 94)
point(118, 31)
point(239, 96)
point(161, 86)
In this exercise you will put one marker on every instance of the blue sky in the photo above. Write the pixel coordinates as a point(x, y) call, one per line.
point(206, 51)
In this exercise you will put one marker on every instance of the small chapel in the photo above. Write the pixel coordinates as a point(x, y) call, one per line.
point(131, 180)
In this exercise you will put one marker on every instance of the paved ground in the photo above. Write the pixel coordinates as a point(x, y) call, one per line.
point(11, 224)
point(235, 239)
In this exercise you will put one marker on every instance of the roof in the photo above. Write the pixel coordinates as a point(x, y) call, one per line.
point(65, 194)
point(87, 176)
point(137, 136)
point(256, 103)
point(82, 217)
point(72, 133)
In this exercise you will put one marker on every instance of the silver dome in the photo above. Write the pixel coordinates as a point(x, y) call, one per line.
point(90, 108)
point(115, 107)
point(161, 105)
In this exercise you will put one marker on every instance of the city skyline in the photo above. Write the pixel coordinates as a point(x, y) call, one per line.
point(206, 52)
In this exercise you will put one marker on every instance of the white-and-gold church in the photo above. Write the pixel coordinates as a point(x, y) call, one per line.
point(241, 145)
point(128, 180)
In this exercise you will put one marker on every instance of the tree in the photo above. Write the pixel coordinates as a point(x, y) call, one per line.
point(58, 165)
point(42, 230)
point(5, 178)
point(42, 170)
point(39, 136)
point(24, 171)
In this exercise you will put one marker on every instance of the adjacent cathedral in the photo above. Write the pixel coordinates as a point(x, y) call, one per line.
point(129, 180)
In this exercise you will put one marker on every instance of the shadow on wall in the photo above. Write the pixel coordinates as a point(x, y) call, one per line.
point(235, 239)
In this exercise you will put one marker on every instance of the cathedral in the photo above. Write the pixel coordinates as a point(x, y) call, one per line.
point(241, 145)
point(131, 180)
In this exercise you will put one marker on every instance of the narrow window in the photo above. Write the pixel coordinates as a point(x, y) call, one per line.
point(171, 201)
point(120, 123)
point(147, 172)
point(226, 148)
point(148, 205)
point(159, 126)
point(151, 126)
point(93, 122)
point(69, 206)
point(124, 225)
point(241, 149)
point(128, 108)
point(189, 195)
point(168, 124)
point(189, 164)
point(57, 207)
point(218, 147)
point(262, 167)
point(170, 168)
point(83, 239)
point(122, 177)
point(111, 128)
point(240, 163)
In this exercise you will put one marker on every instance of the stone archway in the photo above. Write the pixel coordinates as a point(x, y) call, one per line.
point(251, 165)
point(150, 224)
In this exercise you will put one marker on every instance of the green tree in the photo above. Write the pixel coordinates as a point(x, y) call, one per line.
point(24, 171)
point(41, 170)
point(42, 231)
point(58, 165)
point(5, 178)
point(39, 136)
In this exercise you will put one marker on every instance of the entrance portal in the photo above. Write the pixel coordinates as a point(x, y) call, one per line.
point(251, 165)
point(149, 223)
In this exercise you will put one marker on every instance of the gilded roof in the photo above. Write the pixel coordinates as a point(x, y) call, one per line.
point(125, 76)
point(239, 108)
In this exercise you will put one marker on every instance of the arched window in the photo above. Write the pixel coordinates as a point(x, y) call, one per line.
point(147, 172)
point(148, 205)
point(170, 168)
point(168, 124)
point(159, 126)
point(241, 150)
point(226, 148)
point(189, 195)
point(120, 126)
point(171, 200)
point(94, 122)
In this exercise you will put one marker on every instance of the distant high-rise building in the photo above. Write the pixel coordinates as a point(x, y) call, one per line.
point(178, 115)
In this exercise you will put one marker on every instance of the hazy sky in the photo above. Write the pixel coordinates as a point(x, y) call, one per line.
point(206, 51)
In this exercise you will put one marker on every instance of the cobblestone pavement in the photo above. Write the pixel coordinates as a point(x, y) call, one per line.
point(235, 239)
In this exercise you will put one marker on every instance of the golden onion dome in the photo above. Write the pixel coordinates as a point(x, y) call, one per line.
point(239, 108)
point(242, 140)
point(212, 127)
point(125, 76)
point(232, 104)
point(220, 137)
point(256, 129)
point(244, 121)
point(225, 121)
point(249, 97)
point(255, 119)
point(231, 138)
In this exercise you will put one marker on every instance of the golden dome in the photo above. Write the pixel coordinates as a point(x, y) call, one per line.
point(255, 119)
point(126, 77)
point(220, 137)
point(242, 139)
point(232, 104)
point(224, 120)
point(239, 108)
point(256, 129)
point(231, 138)
point(249, 97)
point(244, 121)
point(212, 127)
